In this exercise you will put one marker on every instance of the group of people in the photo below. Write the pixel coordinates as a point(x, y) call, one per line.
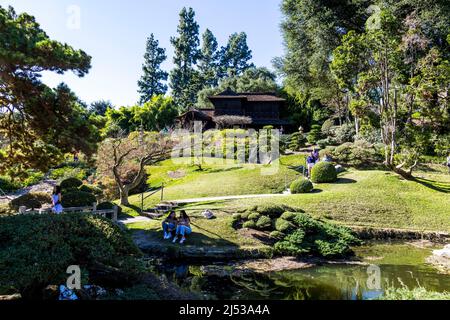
point(314, 158)
point(176, 227)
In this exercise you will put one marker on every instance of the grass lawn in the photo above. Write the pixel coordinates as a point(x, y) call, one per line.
point(360, 197)
point(206, 234)
point(216, 179)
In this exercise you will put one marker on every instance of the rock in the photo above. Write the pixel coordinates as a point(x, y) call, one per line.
point(208, 214)
point(16, 296)
point(441, 259)
point(339, 168)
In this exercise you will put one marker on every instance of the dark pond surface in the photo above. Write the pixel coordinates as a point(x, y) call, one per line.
point(398, 265)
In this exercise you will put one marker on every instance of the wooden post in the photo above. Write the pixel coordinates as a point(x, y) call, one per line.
point(94, 207)
point(162, 192)
point(142, 202)
point(115, 213)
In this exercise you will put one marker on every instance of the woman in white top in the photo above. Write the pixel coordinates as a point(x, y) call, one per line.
point(56, 200)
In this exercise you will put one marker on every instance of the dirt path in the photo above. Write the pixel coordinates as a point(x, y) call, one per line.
point(45, 186)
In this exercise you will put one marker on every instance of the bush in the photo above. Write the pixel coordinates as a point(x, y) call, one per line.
point(283, 225)
point(31, 201)
point(71, 184)
point(272, 210)
point(91, 189)
point(344, 133)
point(249, 224)
point(297, 141)
point(254, 216)
point(277, 235)
point(108, 206)
point(33, 177)
point(77, 199)
point(301, 186)
point(323, 172)
point(263, 223)
point(67, 172)
point(36, 251)
point(289, 216)
point(6, 210)
point(315, 134)
point(357, 154)
point(7, 185)
point(309, 235)
point(245, 214)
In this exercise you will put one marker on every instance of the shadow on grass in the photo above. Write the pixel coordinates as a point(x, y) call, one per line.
point(434, 185)
point(345, 181)
point(316, 191)
point(200, 239)
point(132, 207)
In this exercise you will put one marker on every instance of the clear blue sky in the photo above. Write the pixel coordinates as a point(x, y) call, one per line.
point(114, 33)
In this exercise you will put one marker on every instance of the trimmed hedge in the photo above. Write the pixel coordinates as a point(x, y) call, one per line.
point(91, 189)
point(283, 225)
point(323, 172)
point(36, 251)
point(33, 200)
point(71, 184)
point(77, 199)
point(301, 186)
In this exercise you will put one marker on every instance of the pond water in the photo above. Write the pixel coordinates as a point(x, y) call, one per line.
point(398, 264)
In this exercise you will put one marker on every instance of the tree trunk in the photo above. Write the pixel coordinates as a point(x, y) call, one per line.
point(124, 196)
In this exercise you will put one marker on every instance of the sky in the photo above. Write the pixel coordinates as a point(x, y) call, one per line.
point(114, 33)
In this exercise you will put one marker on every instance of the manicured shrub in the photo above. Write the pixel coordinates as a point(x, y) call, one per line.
point(288, 216)
point(237, 216)
point(254, 216)
point(109, 206)
point(249, 224)
point(357, 154)
point(271, 210)
point(277, 235)
point(323, 172)
point(245, 214)
point(316, 237)
point(301, 186)
point(91, 189)
point(283, 225)
point(77, 199)
point(263, 223)
point(297, 141)
point(315, 134)
point(33, 200)
point(36, 251)
point(71, 184)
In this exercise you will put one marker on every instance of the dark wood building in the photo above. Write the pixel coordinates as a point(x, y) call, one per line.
point(263, 109)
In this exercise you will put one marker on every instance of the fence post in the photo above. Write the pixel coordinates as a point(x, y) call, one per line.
point(162, 192)
point(94, 207)
point(115, 213)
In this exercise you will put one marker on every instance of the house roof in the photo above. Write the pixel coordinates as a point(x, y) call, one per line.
point(249, 96)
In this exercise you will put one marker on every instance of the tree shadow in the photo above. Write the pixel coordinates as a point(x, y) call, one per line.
point(432, 184)
point(345, 181)
point(126, 215)
point(316, 190)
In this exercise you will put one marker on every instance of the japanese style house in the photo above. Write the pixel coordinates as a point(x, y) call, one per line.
point(262, 108)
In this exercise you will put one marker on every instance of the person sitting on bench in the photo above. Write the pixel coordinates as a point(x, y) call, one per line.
point(183, 228)
point(169, 225)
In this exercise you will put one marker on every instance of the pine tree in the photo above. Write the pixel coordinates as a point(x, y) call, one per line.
point(184, 79)
point(151, 82)
point(208, 63)
point(235, 56)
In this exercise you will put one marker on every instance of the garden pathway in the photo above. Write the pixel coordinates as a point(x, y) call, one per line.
point(248, 196)
point(45, 186)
